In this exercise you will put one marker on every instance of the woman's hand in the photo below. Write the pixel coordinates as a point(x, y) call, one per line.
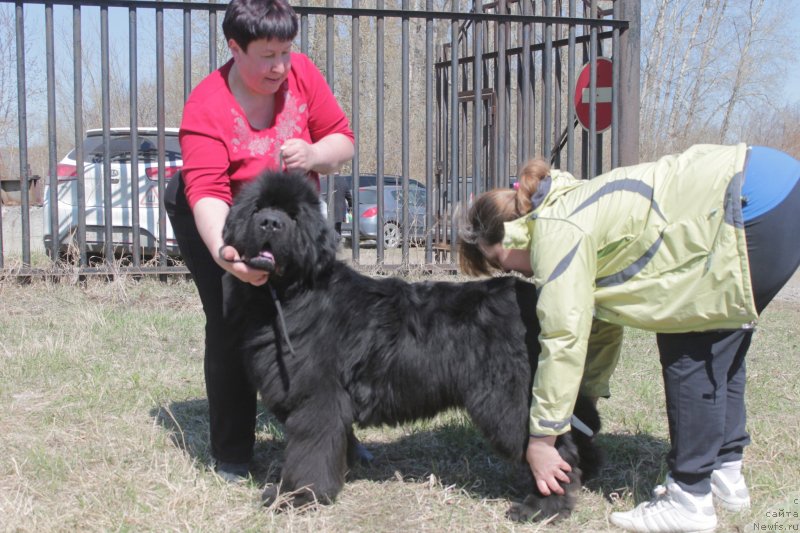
point(325, 156)
point(546, 464)
point(297, 154)
point(229, 260)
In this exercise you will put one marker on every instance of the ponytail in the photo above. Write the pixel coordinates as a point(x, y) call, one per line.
point(530, 175)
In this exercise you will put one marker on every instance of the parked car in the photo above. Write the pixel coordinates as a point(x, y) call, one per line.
point(391, 229)
point(371, 180)
point(366, 180)
point(122, 176)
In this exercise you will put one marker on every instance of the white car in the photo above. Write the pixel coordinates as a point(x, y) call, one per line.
point(146, 174)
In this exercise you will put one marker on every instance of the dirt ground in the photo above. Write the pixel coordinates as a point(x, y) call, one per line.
point(791, 291)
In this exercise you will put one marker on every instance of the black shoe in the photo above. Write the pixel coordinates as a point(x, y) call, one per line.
point(232, 472)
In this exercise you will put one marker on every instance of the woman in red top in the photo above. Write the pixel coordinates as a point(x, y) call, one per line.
point(266, 108)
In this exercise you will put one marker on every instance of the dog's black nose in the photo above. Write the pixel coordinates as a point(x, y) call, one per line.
point(269, 221)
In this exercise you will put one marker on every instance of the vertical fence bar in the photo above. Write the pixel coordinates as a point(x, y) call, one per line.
point(629, 67)
point(134, 120)
point(355, 81)
point(405, 134)
point(304, 30)
point(379, 96)
point(106, 113)
point(51, 123)
point(453, 191)
point(80, 156)
point(212, 38)
point(501, 177)
point(547, 75)
point(526, 129)
point(477, 103)
point(592, 163)
point(22, 116)
point(558, 67)
point(160, 141)
point(440, 157)
point(429, 95)
point(329, 76)
point(615, 79)
point(571, 91)
point(21, 106)
point(187, 53)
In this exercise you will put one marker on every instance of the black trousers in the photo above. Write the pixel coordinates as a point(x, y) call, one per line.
point(704, 373)
point(231, 397)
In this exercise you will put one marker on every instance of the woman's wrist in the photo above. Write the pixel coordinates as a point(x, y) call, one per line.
point(544, 439)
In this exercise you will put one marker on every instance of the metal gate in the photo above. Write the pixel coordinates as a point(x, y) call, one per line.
point(446, 98)
point(506, 92)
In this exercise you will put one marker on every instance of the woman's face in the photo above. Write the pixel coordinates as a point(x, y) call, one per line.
point(508, 259)
point(264, 66)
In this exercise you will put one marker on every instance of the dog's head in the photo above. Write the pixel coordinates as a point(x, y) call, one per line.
point(276, 224)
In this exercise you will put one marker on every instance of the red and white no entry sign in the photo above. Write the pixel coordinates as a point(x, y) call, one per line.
point(602, 95)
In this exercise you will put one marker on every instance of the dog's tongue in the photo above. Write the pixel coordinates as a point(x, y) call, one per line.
point(263, 261)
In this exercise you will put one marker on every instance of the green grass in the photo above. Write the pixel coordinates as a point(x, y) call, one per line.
point(104, 428)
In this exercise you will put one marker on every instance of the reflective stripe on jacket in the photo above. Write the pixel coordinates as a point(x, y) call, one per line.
point(658, 246)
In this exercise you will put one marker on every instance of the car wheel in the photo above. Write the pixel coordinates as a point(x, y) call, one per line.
point(391, 235)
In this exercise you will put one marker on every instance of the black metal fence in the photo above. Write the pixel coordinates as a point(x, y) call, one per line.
point(450, 97)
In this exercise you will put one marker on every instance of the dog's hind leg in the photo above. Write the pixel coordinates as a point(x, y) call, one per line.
point(315, 460)
point(591, 457)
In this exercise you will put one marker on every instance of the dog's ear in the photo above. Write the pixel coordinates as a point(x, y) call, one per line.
point(242, 208)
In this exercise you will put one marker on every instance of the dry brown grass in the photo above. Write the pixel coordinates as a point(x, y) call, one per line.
point(104, 428)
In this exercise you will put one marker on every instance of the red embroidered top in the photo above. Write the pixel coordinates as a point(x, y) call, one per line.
point(221, 151)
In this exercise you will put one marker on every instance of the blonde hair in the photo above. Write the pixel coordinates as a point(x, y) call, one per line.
point(485, 219)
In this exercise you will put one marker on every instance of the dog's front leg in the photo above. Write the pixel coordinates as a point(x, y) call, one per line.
point(556, 506)
point(316, 450)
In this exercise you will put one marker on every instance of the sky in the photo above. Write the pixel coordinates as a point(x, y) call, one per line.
point(792, 81)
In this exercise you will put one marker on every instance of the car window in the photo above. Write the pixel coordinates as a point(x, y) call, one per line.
point(368, 196)
point(417, 197)
point(120, 147)
point(367, 180)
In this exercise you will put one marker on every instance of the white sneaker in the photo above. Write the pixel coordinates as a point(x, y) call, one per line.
point(672, 510)
point(732, 496)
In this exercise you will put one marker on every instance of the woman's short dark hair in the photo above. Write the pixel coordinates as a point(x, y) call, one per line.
point(250, 20)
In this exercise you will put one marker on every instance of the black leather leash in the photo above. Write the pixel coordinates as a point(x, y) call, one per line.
point(267, 267)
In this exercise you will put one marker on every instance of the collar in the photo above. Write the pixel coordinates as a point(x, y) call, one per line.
point(578, 424)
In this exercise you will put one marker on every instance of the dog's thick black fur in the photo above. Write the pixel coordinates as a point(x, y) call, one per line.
point(372, 351)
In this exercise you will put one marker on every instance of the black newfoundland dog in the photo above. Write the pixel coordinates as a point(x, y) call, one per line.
point(328, 347)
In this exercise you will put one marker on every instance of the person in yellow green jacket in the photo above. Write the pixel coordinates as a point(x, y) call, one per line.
point(692, 246)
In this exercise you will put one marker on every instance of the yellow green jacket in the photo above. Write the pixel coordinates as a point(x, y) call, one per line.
point(658, 246)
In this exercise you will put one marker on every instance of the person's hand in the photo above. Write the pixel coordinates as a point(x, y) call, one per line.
point(229, 260)
point(546, 464)
point(298, 155)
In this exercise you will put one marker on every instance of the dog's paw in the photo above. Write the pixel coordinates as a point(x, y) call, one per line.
point(519, 512)
point(540, 508)
point(270, 495)
point(300, 499)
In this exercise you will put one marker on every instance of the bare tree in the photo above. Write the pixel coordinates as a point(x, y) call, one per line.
point(9, 131)
point(703, 64)
point(748, 32)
